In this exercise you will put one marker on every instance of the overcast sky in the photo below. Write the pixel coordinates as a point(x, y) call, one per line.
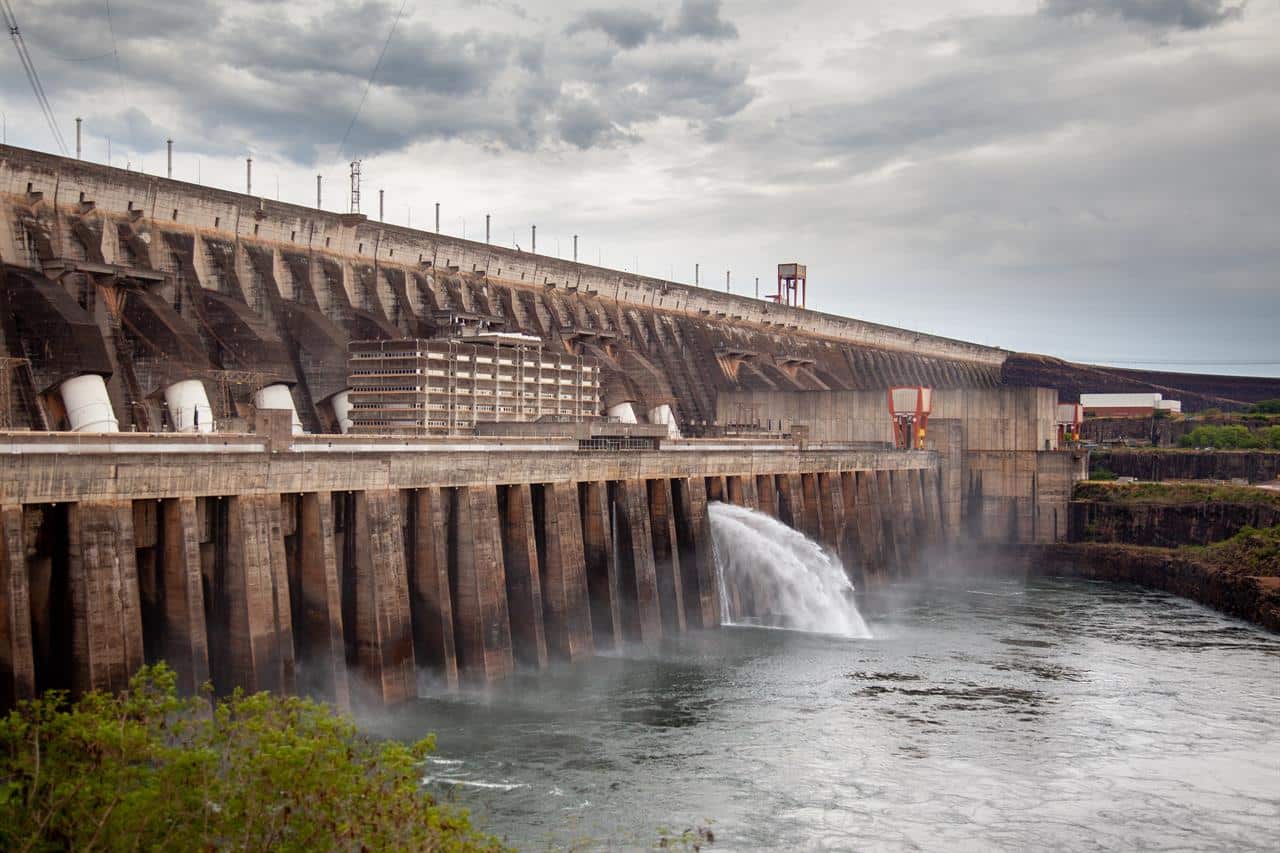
point(1094, 179)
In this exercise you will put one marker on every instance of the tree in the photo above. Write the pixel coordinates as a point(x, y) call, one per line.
point(146, 769)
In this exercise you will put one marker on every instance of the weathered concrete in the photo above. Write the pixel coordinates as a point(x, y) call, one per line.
point(666, 556)
point(524, 588)
point(429, 597)
point(637, 575)
point(477, 584)
point(701, 592)
point(317, 598)
point(565, 600)
point(17, 659)
point(601, 565)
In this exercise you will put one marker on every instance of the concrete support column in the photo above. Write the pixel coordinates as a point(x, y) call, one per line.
point(701, 592)
point(932, 506)
point(602, 565)
point(382, 629)
point(869, 529)
point(185, 640)
point(717, 490)
point(260, 627)
point(907, 518)
point(767, 494)
point(430, 604)
point(106, 633)
point(830, 509)
point(812, 518)
point(637, 577)
point(666, 556)
point(321, 638)
point(566, 604)
point(477, 584)
point(742, 491)
point(524, 588)
point(790, 500)
point(891, 552)
point(17, 658)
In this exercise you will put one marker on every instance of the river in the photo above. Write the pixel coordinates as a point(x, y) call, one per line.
point(984, 714)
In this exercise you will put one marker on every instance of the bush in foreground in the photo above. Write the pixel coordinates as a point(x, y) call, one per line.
point(149, 770)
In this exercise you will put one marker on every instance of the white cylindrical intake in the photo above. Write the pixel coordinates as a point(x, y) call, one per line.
point(278, 397)
point(88, 406)
point(663, 415)
point(341, 403)
point(189, 407)
point(623, 412)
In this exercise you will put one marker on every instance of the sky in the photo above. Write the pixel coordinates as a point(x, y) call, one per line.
point(1093, 179)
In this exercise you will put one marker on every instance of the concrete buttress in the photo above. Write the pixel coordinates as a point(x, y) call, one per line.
point(321, 641)
point(697, 553)
point(383, 630)
point(477, 582)
point(259, 641)
point(430, 603)
point(523, 576)
point(666, 556)
point(185, 640)
point(566, 603)
point(602, 565)
point(106, 638)
point(17, 660)
point(637, 578)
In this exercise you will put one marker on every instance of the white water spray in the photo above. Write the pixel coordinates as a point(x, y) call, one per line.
point(786, 578)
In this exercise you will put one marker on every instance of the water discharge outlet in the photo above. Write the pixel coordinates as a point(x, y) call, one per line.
point(771, 575)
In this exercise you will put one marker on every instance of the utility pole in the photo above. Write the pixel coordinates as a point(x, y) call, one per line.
point(757, 287)
point(486, 228)
point(77, 137)
point(169, 146)
point(248, 176)
point(380, 192)
point(696, 274)
point(575, 248)
point(437, 217)
point(533, 241)
point(726, 281)
point(318, 205)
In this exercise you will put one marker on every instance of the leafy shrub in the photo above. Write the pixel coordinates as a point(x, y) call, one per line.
point(1251, 551)
point(1227, 437)
point(1101, 473)
point(1265, 407)
point(146, 769)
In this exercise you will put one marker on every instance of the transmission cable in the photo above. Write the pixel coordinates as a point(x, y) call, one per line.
point(28, 66)
point(372, 74)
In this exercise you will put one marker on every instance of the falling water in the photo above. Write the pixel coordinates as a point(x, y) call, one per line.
point(780, 577)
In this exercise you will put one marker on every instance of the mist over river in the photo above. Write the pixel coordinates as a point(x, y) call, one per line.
point(983, 715)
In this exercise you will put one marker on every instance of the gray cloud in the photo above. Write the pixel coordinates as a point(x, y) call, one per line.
point(701, 19)
point(1185, 14)
point(249, 75)
point(630, 28)
point(626, 28)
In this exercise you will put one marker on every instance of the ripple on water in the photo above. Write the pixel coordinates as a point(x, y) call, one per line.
point(1073, 715)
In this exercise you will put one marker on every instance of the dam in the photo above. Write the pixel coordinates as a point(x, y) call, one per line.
point(187, 475)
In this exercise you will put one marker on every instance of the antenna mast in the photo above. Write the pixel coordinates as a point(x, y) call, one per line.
point(355, 186)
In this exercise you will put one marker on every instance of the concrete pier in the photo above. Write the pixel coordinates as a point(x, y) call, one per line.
point(267, 567)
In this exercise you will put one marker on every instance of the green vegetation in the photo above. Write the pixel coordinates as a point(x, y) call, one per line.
point(1265, 407)
point(148, 770)
point(1101, 473)
point(1232, 437)
point(1252, 551)
point(1172, 493)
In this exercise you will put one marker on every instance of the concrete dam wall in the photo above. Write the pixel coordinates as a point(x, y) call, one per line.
point(346, 569)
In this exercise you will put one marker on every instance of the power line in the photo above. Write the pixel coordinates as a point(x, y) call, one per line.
point(115, 53)
point(372, 74)
point(28, 66)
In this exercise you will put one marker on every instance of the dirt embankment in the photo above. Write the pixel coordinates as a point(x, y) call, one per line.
point(1218, 545)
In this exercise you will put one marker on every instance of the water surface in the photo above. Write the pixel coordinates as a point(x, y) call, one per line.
point(984, 715)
